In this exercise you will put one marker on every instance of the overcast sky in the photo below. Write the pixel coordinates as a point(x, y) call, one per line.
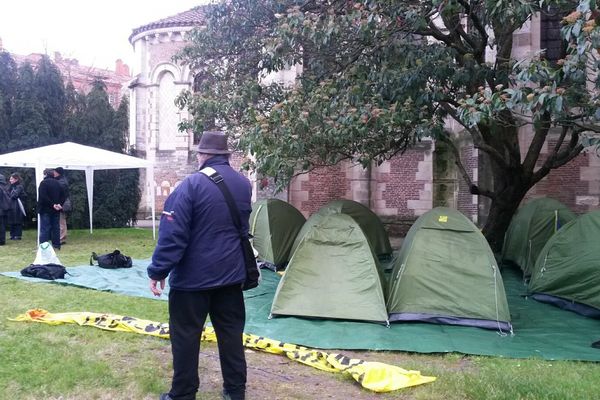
point(94, 32)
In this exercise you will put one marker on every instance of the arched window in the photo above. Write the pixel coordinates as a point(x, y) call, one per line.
point(168, 113)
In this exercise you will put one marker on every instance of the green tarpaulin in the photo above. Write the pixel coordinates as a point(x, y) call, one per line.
point(541, 330)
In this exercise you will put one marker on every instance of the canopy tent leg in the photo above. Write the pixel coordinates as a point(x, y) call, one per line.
point(89, 182)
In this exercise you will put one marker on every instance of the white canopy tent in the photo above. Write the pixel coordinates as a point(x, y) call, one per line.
point(73, 156)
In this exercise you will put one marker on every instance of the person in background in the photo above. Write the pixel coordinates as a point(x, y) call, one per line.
point(4, 207)
point(16, 215)
point(59, 175)
point(50, 199)
point(199, 249)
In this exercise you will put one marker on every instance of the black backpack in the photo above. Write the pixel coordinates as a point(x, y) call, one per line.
point(112, 260)
point(45, 271)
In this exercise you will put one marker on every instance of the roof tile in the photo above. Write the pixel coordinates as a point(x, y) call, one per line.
point(192, 17)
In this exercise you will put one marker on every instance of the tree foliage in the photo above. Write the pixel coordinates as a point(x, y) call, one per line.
point(36, 109)
point(378, 75)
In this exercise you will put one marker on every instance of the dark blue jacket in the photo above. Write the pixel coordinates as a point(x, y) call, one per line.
point(49, 193)
point(16, 192)
point(198, 246)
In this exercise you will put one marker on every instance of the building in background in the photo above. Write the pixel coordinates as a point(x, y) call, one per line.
point(154, 118)
point(399, 190)
point(83, 76)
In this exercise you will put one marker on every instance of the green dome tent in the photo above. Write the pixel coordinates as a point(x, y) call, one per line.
point(367, 219)
point(529, 230)
point(274, 225)
point(446, 273)
point(332, 274)
point(567, 271)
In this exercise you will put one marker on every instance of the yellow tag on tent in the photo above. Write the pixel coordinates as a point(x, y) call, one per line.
point(443, 218)
point(374, 376)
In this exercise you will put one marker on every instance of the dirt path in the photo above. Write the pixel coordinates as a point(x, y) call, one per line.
point(274, 377)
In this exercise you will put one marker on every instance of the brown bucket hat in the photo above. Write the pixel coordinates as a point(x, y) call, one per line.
point(213, 142)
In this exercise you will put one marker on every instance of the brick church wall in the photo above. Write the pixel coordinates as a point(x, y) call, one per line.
point(576, 184)
point(309, 192)
point(398, 191)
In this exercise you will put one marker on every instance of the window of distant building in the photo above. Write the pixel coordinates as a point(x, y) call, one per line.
point(113, 99)
point(550, 38)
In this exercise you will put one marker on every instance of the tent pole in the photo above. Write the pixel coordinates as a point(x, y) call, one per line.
point(89, 182)
point(39, 176)
point(150, 178)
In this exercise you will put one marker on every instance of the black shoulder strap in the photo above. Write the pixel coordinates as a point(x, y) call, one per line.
point(218, 180)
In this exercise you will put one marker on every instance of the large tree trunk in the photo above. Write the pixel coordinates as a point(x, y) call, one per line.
point(514, 185)
point(498, 221)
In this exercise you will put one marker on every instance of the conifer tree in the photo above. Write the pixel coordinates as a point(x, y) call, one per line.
point(8, 82)
point(50, 92)
point(28, 126)
point(75, 109)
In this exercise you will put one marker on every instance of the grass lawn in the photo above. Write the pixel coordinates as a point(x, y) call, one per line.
point(39, 361)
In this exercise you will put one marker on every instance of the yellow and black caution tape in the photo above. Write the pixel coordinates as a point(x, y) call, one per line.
point(374, 376)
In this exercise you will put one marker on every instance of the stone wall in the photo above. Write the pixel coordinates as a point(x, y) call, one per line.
point(576, 184)
point(399, 190)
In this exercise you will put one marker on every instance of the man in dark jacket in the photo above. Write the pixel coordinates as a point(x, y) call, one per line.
point(199, 248)
point(4, 209)
point(50, 199)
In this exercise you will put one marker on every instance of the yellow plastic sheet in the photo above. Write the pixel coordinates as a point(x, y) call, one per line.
point(374, 376)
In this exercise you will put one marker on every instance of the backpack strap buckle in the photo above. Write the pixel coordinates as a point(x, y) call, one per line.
point(212, 174)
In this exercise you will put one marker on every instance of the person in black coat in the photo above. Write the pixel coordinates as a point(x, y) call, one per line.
point(199, 249)
point(4, 207)
point(16, 191)
point(51, 197)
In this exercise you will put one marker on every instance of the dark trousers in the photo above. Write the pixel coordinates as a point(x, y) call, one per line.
point(16, 231)
point(3, 219)
point(187, 315)
point(50, 229)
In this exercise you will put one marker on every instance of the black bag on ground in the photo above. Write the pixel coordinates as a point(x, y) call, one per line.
point(46, 271)
point(112, 260)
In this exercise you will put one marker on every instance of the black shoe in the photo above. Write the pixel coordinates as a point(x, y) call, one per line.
point(233, 396)
point(3, 244)
point(165, 396)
